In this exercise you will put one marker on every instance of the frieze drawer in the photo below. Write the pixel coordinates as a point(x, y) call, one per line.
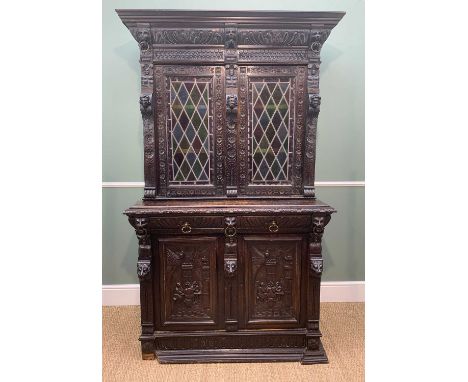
point(274, 224)
point(188, 224)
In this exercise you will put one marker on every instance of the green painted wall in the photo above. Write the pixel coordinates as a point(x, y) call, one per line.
point(340, 153)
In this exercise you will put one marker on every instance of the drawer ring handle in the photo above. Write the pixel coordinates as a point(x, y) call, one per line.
point(186, 228)
point(230, 231)
point(273, 227)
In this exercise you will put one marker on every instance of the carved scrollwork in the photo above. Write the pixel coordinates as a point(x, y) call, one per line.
point(146, 105)
point(144, 269)
point(316, 265)
point(273, 37)
point(230, 267)
point(188, 36)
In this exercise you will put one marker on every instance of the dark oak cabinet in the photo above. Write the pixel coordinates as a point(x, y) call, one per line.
point(229, 229)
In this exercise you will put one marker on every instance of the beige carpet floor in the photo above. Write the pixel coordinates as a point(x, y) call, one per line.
point(343, 338)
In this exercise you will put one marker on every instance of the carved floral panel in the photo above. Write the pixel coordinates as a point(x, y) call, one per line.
point(188, 280)
point(273, 279)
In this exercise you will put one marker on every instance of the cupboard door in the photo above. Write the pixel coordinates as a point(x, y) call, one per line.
point(190, 130)
point(272, 281)
point(188, 282)
point(271, 125)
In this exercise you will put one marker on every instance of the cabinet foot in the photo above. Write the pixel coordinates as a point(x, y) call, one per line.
point(147, 350)
point(317, 355)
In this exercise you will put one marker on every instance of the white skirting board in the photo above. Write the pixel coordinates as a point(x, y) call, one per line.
point(331, 291)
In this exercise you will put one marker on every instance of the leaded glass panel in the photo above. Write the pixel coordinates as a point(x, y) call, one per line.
point(190, 132)
point(270, 131)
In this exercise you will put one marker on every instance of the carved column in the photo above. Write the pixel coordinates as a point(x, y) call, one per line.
point(231, 275)
point(316, 40)
point(231, 74)
point(315, 268)
point(142, 34)
point(144, 271)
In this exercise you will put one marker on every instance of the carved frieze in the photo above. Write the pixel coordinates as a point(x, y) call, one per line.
point(231, 342)
point(185, 55)
point(188, 36)
point(268, 56)
point(279, 37)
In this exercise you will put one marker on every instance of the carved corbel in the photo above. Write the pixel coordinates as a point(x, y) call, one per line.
point(143, 37)
point(318, 227)
point(141, 229)
point(315, 244)
point(314, 105)
point(317, 38)
point(144, 269)
point(146, 105)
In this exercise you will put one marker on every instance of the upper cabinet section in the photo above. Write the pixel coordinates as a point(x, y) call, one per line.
point(230, 100)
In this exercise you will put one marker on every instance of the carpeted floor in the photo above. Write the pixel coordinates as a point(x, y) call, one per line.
point(343, 338)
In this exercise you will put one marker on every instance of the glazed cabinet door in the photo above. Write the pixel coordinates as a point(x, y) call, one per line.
point(272, 275)
point(272, 103)
point(188, 283)
point(189, 121)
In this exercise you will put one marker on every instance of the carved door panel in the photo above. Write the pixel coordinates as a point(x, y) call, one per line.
point(271, 125)
point(190, 117)
point(188, 282)
point(272, 267)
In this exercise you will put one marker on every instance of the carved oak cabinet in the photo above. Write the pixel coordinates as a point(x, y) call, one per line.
point(229, 228)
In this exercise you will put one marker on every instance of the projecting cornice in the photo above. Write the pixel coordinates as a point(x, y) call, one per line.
point(230, 30)
point(258, 19)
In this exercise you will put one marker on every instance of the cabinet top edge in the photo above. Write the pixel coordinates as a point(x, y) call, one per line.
point(168, 16)
point(212, 207)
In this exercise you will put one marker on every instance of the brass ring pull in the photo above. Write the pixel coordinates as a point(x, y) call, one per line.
point(230, 231)
point(186, 228)
point(273, 227)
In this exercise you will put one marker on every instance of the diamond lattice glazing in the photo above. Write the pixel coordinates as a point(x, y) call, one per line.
point(270, 131)
point(190, 134)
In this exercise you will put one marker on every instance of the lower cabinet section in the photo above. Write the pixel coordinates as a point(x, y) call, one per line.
point(227, 295)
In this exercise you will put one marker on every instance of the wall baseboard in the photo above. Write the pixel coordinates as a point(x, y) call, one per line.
point(331, 291)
